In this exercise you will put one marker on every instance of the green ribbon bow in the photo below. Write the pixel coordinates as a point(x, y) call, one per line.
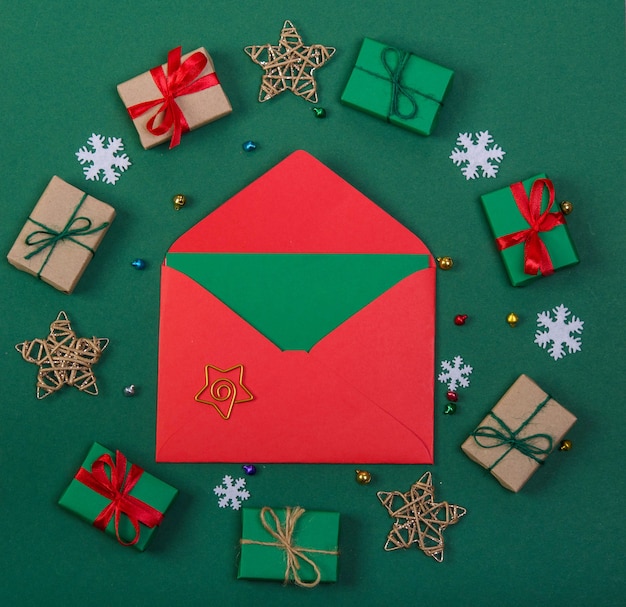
point(528, 445)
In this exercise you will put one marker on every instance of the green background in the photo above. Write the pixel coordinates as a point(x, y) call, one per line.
point(546, 80)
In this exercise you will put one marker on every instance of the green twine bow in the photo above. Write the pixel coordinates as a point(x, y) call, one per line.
point(397, 88)
point(527, 445)
point(49, 237)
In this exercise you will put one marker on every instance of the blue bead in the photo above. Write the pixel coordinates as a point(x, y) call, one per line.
point(140, 264)
point(249, 146)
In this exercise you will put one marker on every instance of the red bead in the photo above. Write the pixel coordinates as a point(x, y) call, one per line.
point(452, 396)
point(460, 319)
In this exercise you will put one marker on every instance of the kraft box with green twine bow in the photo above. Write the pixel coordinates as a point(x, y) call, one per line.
point(61, 235)
point(293, 545)
point(519, 433)
point(397, 86)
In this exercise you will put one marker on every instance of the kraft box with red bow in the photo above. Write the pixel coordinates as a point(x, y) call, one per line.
point(118, 497)
point(171, 99)
point(531, 234)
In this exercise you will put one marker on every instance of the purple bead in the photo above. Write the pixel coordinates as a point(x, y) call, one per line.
point(249, 469)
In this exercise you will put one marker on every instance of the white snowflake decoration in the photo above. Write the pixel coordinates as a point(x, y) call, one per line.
point(455, 373)
point(560, 331)
point(232, 493)
point(103, 157)
point(477, 155)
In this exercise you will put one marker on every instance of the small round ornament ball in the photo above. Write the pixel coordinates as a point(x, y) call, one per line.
point(512, 319)
point(363, 477)
point(249, 146)
point(249, 469)
point(449, 409)
point(566, 207)
point(139, 264)
point(460, 319)
point(445, 263)
point(565, 445)
point(130, 390)
point(319, 112)
point(180, 200)
point(452, 396)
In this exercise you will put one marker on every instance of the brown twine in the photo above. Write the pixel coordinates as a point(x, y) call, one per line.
point(290, 65)
point(418, 519)
point(63, 359)
point(284, 540)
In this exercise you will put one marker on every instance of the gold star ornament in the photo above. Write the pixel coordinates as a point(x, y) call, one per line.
point(223, 388)
point(290, 65)
point(418, 518)
point(63, 358)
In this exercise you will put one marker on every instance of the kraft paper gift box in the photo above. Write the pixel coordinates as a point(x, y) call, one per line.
point(308, 329)
point(168, 100)
point(311, 536)
point(61, 235)
point(118, 497)
point(397, 86)
point(530, 230)
point(519, 433)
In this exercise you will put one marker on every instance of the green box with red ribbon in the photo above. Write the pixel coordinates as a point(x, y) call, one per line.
point(397, 86)
point(530, 230)
point(118, 497)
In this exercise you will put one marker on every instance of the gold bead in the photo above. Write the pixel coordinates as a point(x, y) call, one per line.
point(566, 207)
point(179, 201)
point(512, 319)
point(445, 263)
point(363, 477)
point(566, 445)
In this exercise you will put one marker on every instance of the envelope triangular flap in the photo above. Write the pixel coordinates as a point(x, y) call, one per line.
point(299, 206)
point(296, 299)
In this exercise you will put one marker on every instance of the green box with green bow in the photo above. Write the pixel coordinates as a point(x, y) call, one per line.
point(397, 86)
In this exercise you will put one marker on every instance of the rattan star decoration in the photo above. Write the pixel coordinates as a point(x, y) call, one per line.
point(63, 358)
point(290, 65)
point(418, 518)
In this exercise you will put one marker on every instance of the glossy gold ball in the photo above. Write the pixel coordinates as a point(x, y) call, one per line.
point(566, 207)
point(445, 263)
point(512, 319)
point(566, 445)
point(363, 477)
point(180, 200)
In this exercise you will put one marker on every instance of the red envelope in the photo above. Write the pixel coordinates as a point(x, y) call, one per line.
point(297, 325)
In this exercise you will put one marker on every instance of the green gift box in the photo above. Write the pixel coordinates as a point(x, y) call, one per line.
point(547, 242)
point(397, 86)
point(289, 544)
point(118, 497)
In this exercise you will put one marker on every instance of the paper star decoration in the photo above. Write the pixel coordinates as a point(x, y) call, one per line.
point(419, 519)
point(290, 65)
point(63, 358)
point(224, 386)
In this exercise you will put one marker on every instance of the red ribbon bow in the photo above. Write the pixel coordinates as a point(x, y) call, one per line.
point(117, 488)
point(180, 80)
point(536, 256)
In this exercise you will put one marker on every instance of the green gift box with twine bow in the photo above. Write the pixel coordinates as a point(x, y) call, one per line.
point(519, 433)
point(397, 86)
point(61, 235)
point(289, 544)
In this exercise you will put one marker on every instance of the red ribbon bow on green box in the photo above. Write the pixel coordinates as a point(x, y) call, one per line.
point(536, 256)
point(116, 486)
point(181, 79)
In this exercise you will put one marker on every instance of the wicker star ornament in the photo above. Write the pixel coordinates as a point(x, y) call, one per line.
point(63, 358)
point(290, 65)
point(418, 518)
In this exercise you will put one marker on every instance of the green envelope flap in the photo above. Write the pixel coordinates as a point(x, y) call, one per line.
point(296, 299)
